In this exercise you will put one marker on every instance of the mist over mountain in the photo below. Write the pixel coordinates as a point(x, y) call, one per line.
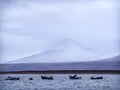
point(29, 26)
point(66, 50)
point(104, 64)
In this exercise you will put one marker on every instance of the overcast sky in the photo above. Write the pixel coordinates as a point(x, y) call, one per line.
point(30, 26)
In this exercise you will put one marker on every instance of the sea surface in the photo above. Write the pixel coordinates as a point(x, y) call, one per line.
point(60, 82)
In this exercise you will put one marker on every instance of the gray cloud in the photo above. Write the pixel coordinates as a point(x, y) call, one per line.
point(94, 24)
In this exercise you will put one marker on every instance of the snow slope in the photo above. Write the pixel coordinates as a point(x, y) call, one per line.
point(66, 50)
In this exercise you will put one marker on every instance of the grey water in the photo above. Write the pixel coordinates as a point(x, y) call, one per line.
point(60, 82)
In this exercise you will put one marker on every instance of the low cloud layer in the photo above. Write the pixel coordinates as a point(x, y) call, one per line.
point(29, 27)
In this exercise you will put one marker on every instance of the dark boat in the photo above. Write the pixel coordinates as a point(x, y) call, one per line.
point(74, 77)
point(96, 78)
point(12, 78)
point(47, 77)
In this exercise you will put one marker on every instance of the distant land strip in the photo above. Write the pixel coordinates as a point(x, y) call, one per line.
point(64, 72)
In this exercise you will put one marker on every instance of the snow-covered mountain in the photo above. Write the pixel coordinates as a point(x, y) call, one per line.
point(103, 64)
point(66, 50)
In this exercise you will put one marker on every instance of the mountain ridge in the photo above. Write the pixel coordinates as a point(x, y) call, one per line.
point(104, 64)
point(65, 50)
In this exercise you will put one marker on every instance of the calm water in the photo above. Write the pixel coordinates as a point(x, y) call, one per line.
point(60, 82)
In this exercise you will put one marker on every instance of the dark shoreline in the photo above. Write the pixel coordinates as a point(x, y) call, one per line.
point(63, 72)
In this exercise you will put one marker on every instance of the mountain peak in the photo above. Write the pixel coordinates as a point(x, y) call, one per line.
point(66, 50)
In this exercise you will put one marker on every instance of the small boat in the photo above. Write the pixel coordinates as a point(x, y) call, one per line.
point(74, 77)
point(12, 78)
point(47, 77)
point(93, 77)
point(30, 78)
